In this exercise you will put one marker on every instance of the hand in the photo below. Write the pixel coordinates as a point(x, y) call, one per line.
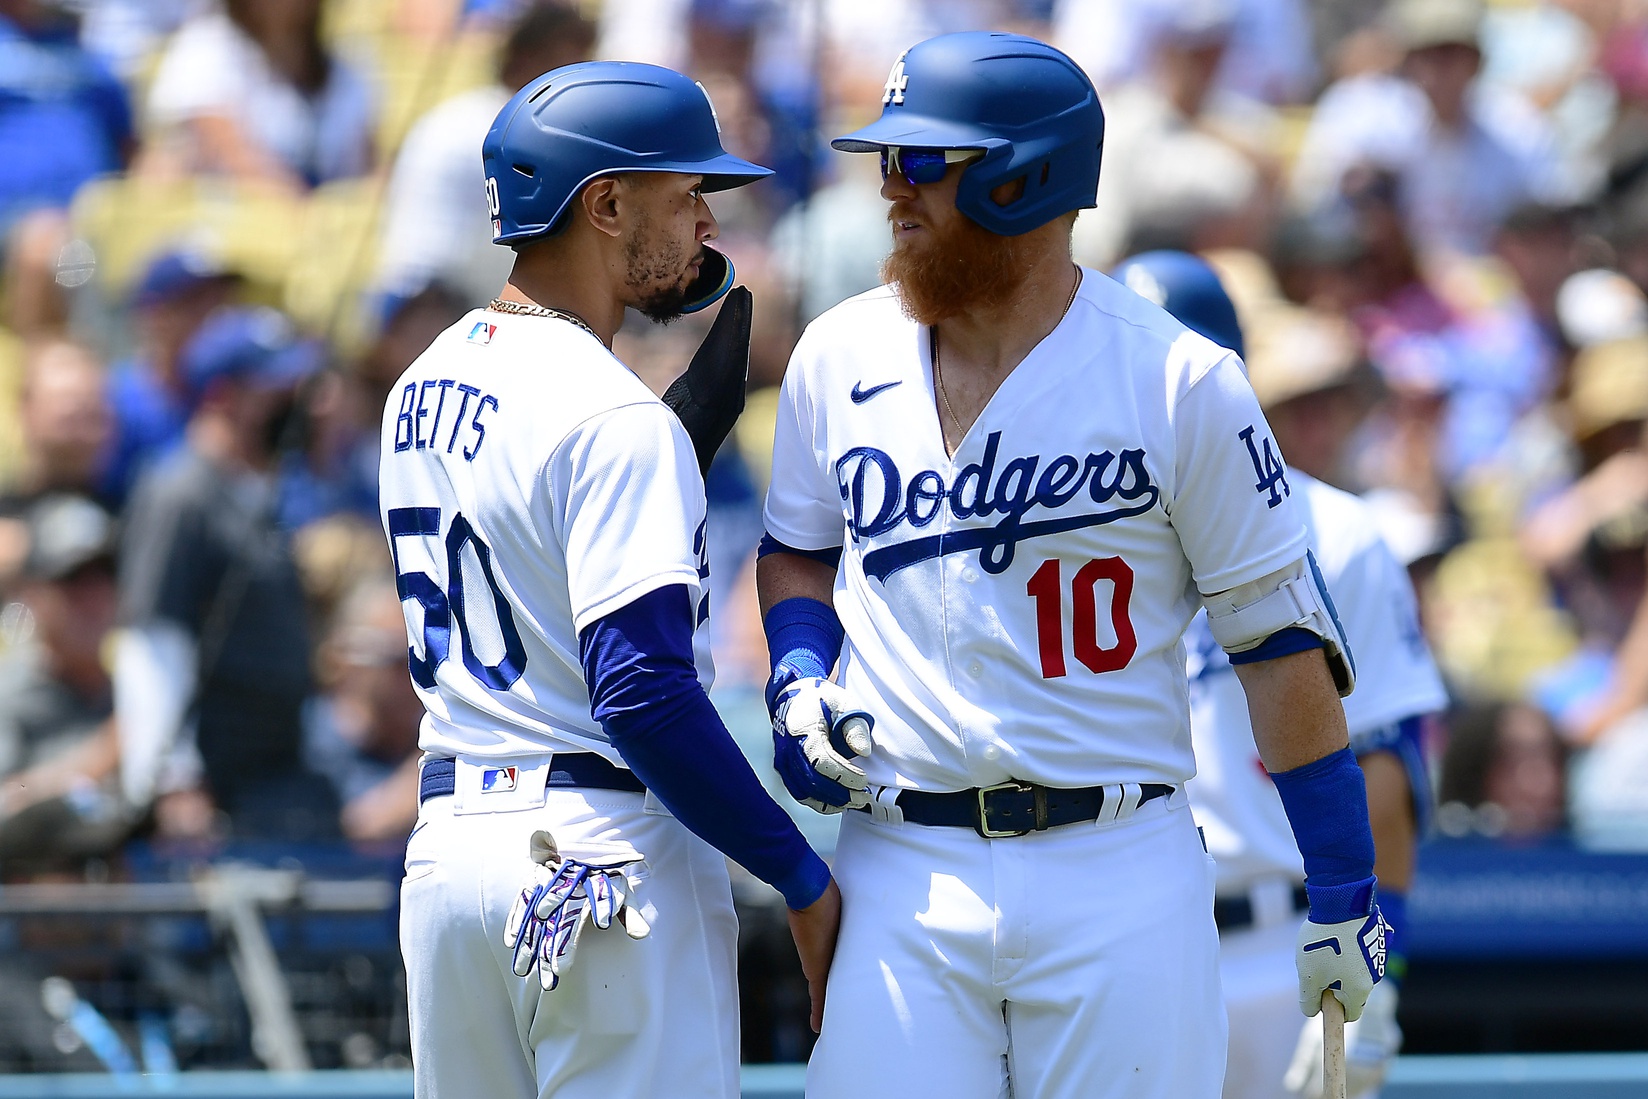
point(1347, 956)
point(814, 929)
point(710, 395)
point(817, 735)
point(1371, 1044)
point(548, 917)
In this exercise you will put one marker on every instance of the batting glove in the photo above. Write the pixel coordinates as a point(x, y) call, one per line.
point(1371, 1044)
point(817, 734)
point(1346, 955)
point(710, 395)
point(562, 896)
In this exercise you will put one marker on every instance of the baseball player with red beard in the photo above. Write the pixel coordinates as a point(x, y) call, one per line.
point(1002, 486)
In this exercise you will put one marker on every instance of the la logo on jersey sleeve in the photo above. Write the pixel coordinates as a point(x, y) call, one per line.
point(1271, 473)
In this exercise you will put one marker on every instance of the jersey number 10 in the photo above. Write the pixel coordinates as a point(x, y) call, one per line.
point(1047, 590)
point(441, 608)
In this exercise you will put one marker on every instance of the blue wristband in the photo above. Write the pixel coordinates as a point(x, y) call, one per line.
point(1327, 806)
point(803, 640)
point(1338, 903)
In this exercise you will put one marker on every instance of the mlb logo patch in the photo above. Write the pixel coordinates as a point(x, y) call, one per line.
point(482, 332)
point(498, 780)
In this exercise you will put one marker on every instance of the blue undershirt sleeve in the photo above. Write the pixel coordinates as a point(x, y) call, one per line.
point(1284, 642)
point(645, 692)
point(770, 545)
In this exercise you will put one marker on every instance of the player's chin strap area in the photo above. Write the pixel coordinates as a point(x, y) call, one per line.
point(714, 279)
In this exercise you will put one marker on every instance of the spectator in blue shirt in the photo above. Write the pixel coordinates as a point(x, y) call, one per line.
point(147, 393)
point(64, 118)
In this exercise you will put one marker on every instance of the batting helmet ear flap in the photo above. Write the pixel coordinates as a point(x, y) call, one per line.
point(714, 279)
point(1058, 177)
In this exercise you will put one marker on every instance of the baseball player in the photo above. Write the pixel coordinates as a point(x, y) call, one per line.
point(1002, 486)
point(567, 919)
point(1260, 885)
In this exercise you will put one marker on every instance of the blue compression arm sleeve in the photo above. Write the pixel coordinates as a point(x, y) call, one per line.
point(1327, 807)
point(644, 690)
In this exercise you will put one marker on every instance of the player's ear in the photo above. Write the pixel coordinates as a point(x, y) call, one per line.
point(602, 205)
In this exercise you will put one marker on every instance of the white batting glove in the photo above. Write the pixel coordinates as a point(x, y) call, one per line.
point(548, 917)
point(1371, 1044)
point(1348, 957)
point(817, 735)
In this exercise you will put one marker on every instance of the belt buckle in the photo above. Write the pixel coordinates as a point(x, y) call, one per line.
point(981, 822)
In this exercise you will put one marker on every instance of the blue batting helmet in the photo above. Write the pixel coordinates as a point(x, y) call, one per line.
point(599, 118)
point(1028, 106)
point(1186, 287)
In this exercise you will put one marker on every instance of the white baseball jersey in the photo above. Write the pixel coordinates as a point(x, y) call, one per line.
point(1233, 797)
point(530, 484)
point(1016, 611)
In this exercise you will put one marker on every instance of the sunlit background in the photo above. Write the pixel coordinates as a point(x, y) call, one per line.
point(1433, 216)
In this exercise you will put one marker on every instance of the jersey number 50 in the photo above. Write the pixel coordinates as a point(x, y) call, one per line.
point(442, 608)
point(1048, 592)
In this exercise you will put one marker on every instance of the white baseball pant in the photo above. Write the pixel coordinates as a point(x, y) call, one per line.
point(1076, 963)
point(650, 1017)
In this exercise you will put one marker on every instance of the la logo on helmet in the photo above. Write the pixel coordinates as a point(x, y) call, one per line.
point(893, 90)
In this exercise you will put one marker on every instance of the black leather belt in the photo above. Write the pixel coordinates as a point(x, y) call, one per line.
point(439, 777)
point(1235, 913)
point(1014, 808)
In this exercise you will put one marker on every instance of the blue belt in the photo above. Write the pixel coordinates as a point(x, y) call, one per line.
point(439, 777)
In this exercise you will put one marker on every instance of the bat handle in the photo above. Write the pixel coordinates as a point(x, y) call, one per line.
point(1333, 1047)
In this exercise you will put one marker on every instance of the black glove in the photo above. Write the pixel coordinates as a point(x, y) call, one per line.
point(710, 395)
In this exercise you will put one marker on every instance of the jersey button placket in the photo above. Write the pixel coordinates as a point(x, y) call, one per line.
point(953, 609)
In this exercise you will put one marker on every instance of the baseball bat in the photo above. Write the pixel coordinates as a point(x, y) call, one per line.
point(1333, 1047)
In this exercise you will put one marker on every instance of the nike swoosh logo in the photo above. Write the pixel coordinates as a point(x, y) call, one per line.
point(859, 396)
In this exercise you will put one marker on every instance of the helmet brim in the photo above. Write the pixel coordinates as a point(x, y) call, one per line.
point(901, 128)
point(723, 173)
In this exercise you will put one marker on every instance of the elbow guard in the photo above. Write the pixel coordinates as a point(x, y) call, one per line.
point(1293, 597)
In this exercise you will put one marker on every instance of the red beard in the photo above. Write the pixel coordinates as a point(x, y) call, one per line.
point(958, 270)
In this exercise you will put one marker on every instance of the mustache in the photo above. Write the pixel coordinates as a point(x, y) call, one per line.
point(899, 212)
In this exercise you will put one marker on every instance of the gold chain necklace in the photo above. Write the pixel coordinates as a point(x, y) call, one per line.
point(532, 309)
point(938, 372)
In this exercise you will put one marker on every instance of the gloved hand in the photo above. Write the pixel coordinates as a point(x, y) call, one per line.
point(1371, 1044)
point(549, 915)
point(817, 733)
point(1347, 955)
point(710, 395)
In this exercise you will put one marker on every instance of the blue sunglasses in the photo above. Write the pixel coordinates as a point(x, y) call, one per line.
point(919, 166)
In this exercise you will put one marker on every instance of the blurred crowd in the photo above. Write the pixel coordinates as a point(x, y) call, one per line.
point(226, 226)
